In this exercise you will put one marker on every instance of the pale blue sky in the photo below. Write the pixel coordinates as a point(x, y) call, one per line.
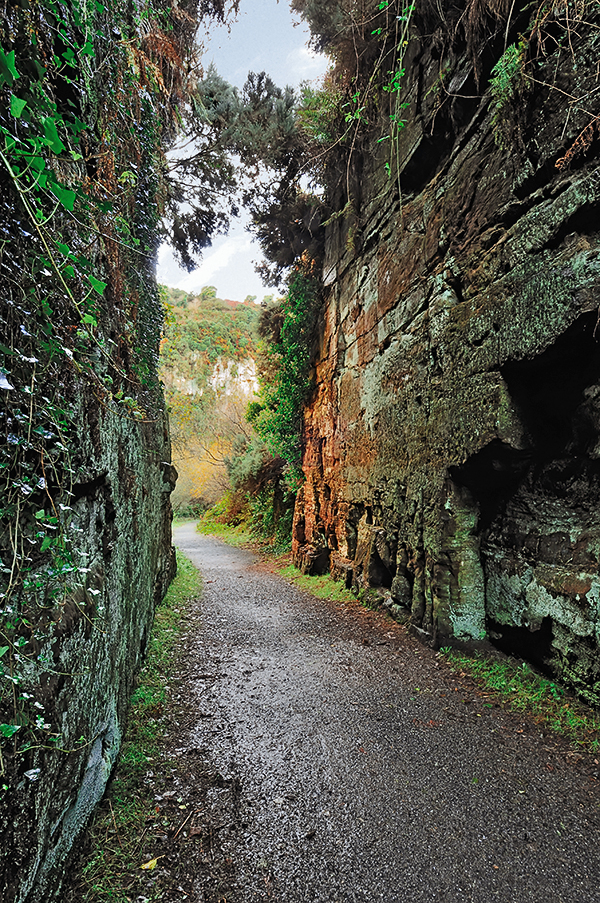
point(262, 38)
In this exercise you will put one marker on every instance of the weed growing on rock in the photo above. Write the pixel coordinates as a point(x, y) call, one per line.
point(506, 84)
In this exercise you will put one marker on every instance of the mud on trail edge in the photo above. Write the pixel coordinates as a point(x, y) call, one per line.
point(318, 753)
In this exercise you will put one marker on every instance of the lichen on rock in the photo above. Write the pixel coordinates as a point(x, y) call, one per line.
point(454, 419)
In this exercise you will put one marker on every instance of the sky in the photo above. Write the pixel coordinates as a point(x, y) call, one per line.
point(263, 37)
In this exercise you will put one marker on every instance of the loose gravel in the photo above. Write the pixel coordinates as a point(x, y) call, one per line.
point(327, 756)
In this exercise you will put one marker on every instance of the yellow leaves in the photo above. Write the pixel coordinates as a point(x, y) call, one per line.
point(151, 864)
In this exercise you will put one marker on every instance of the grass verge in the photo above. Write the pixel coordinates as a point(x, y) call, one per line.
point(239, 535)
point(323, 587)
point(117, 832)
point(524, 690)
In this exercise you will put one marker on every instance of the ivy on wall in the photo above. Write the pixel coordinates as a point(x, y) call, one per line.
point(288, 328)
point(91, 96)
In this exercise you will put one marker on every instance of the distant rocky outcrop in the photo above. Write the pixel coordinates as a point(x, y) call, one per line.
point(208, 369)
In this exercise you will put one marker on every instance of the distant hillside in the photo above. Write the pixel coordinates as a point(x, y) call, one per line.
point(207, 366)
point(200, 329)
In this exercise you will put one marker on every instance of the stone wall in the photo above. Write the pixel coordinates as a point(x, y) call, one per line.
point(82, 671)
point(453, 440)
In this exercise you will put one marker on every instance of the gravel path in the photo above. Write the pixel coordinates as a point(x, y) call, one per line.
point(354, 766)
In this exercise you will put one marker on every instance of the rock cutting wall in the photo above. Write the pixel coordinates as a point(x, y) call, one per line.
point(85, 666)
point(453, 441)
point(85, 515)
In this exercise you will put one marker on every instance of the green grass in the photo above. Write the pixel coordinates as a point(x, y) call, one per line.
point(325, 587)
point(240, 535)
point(118, 828)
point(180, 520)
point(256, 525)
point(524, 690)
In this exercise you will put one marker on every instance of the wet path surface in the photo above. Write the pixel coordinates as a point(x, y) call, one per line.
point(359, 772)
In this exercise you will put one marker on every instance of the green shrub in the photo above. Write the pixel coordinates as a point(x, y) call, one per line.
point(506, 83)
point(286, 381)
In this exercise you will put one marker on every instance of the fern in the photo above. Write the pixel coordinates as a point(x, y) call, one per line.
point(506, 82)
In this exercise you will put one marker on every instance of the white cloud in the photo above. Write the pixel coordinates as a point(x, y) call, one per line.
point(228, 265)
point(304, 63)
point(215, 262)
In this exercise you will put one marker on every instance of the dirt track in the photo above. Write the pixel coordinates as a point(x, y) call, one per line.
point(327, 756)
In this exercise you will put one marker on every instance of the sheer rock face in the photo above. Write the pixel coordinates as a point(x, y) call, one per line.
point(87, 663)
point(453, 440)
point(85, 514)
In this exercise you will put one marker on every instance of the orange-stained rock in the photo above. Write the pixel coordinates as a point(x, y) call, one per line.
point(452, 445)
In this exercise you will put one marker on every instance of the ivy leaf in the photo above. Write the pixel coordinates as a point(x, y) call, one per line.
point(3, 650)
point(64, 195)
point(78, 126)
point(37, 163)
point(9, 730)
point(91, 321)
point(8, 70)
point(46, 543)
point(41, 70)
point(17, 105)
point(51, 133)
point(88, 49)
point(97, 285)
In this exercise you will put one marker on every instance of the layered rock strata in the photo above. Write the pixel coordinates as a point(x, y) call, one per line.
point(452, 445)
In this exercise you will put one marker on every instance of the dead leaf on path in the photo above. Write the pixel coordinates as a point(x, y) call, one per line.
point(151, 864)
point(196, 831)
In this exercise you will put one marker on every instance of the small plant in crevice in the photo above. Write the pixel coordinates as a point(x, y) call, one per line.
point(507, 85)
